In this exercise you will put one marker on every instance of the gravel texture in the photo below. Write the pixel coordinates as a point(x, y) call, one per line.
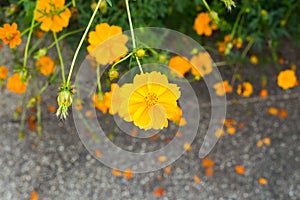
point(58, 166)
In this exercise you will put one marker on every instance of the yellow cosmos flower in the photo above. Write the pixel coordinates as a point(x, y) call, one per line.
point(245, 89)
point(52, 14)
point(286, 79)
point(202, 64)
point(148, 102)
point(110, 50)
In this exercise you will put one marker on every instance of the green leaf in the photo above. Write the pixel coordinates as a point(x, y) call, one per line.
point(109, 3)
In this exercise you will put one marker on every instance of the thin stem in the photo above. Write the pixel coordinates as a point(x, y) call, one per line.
point(60, 59)
point(132, 33)
point(123, 59)
point(98, 78)
point(29, 38)
point(81, 41)
point(249, 45)
point(64, 36)
point(206, 5)
point(29, 28)
point(36, 44)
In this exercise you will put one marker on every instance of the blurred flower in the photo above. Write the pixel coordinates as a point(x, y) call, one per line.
point(254, 59)
point(10, 35)
point(286, 79)
point(263, 93)
point(180, 65)
point(110, 50)
point(202, 64)
point(104, 102)
point(52, 14)
point(149, 101)
point(229, 4)
point(3, 72)
point(245, 89)
point(222, 88)
point(16, 84)
point(203, 25)
point(45, 65)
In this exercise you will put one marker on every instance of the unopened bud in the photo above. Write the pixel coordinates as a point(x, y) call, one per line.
point(113, 74)
point(140, 53)
point(64, 100)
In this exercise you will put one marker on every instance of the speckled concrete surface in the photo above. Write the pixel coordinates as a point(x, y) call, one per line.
point(57, 166)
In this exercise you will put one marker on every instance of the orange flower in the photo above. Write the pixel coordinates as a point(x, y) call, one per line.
point(15, 84)
point(203, 25)
point(273, 111)
point(222, 88)
point(231, 130)
point(10, 35)
point(3, 72)
point(127, 173)
point(262, 181)
point(202, 64)
point(240, 169)
point(104, 104)
point(245, 89)
point(180, 64)
point(206, 162)
point(286, 79)
point(52, 14)
point(45, 65)
point(263, 93)
point(110, 50)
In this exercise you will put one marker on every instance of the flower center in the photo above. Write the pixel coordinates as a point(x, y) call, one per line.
point(151, 99)
point(9, 36)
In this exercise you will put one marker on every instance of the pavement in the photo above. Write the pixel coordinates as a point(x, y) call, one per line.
point(57, 165)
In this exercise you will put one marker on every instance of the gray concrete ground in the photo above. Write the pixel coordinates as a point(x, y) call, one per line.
point(58, 166)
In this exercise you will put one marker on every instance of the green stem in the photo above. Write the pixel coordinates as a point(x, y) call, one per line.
point(29, 38)
point(60, 59)
point(64, 36)
point(221, 63)
point(73, 3)
point(249, 45)
point(132, 34)
point(123, 59)
point(81, 41)
point(206, 5)
point(98, 78)
point(35, 45)
point(29, 28)
point(236, 24)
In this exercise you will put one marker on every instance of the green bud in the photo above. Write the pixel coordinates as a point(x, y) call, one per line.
point(140, 53)
point(113, 74)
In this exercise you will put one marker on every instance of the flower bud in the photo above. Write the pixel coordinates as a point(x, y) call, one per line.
point(140, 53)
point(103, 7)
point(162, 58)
point(64, 100)
point(41, 52)
point(113, 74)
